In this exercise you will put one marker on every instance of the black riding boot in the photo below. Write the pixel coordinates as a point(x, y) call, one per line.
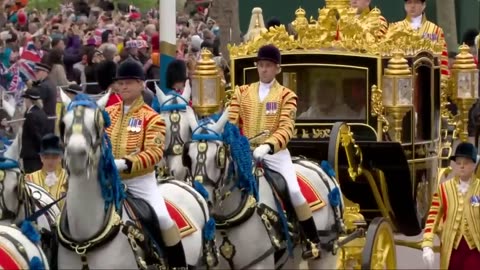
point(176, 256)
point(312, 250)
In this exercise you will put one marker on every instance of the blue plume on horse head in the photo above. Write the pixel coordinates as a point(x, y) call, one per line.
point(109, 178)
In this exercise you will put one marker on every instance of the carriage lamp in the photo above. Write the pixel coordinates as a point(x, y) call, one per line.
point(207, 90)
point(465, 87)
point(397, 91)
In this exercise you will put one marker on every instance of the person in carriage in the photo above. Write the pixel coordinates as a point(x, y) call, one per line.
point(456, 206)
point(267, 105)
point(52, 177)
point(137, 134)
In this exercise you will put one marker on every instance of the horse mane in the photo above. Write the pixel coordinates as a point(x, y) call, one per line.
point(110, 182)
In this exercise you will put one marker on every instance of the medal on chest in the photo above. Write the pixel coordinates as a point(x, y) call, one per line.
point(475, 200)
point(134, 125)
point(271, 108)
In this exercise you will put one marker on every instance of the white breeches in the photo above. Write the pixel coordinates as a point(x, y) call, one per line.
point(281, 162)
point(145, 187)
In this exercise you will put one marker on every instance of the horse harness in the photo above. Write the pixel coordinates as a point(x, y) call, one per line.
point(245, 210)
point(175, 147)
point(113, 223)
point(20, 247)
point(200, 174)
point(24, 200)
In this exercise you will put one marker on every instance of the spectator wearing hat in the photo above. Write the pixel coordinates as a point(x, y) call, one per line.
point(52, 177)
point(137, 134)
point(456, 205)
point(105, 73)
point(268, 102)
point(47, 91)
point(34, 128)
point(176, 77)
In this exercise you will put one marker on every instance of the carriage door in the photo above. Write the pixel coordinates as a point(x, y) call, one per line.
point(425, 129)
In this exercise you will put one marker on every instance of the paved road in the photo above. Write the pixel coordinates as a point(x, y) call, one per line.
point(408, 258)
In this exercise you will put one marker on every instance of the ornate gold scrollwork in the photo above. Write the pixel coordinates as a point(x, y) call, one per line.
point(228, 96)
point(378, 110)
point(352, 151)
point(348, 33)
point(321, 133)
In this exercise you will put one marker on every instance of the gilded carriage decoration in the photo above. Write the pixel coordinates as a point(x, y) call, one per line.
point(368, 100)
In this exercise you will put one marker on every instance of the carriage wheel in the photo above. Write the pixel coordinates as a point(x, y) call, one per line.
point(379, 250)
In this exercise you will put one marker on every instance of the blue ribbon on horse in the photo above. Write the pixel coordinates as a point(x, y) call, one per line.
point(8, 163)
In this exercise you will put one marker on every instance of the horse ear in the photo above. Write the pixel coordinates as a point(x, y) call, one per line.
point(102, 102)
point(8, 108)
point(160, 95)
point(65, 99)
point(218, 127)
point(192, 118)
point(13, 151)
point(187, 91)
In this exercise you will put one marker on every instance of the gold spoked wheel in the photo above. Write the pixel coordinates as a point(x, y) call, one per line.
point(379, 251)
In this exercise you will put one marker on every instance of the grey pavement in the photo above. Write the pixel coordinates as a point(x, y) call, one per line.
point(409, 258)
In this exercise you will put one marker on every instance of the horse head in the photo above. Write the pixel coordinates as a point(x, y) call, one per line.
point(178, 116)
point(12, 185)
point(84, 131)
point(205, 156)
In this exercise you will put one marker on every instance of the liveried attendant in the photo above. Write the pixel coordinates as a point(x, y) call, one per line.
point(52, 177)
point(417, 20)
point(456, 206)
point(267, 105)
point(137, 134)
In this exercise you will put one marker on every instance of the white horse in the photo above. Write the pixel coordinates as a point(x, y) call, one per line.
point(19, 200)
point(88, 234)
point(249, 232)
point(176, 113)
point(18, 251)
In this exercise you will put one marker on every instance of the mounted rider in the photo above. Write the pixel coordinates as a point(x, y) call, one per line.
point(267, 105)
point(52, 177)
point(137, 134)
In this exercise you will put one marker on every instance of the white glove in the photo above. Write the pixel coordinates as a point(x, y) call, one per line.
point(261, 151)
point(428, 257)
point(121, 165)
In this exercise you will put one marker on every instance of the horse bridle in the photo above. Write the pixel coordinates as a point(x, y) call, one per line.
point(175, 147)
point(22, 195)
point(78, 127)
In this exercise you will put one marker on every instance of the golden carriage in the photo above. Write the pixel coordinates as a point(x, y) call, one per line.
point(375, 107)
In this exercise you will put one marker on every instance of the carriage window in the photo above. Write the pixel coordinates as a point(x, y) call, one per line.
point(324, 92)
